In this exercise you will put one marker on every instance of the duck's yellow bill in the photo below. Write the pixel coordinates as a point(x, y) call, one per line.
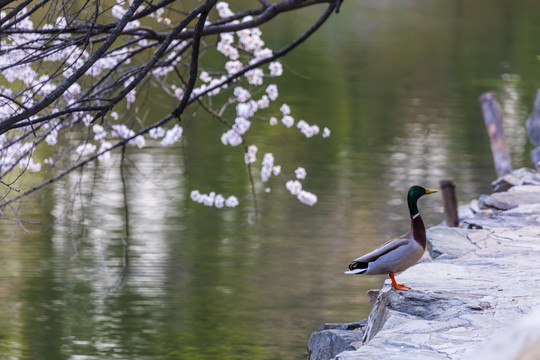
point(431, 191)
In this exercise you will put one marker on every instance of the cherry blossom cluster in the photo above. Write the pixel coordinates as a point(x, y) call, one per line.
point(27, 84)
point(250, 41)
point(214, 199)
point(268, 168)
point(295, 188)
point(302, 125)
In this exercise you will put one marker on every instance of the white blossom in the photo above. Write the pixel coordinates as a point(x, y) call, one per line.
point(241, 125)
point(195, 195)
point(308, 130)
point(267, 166)
point(118, 11)
point(179, 93)
point(276, 170)
point(300, 173)
point(99, 131)
point(61, 22)
point(273, 121)
point(231, 137)
point(326, 132)
point(228, 50)
point(131, 96)
point(226, 38)
point(276, 69)
point(232, 201)
point(172, 135)
point(85, 149)
point(139, 141)
point(205, 77)
point(285, 109)
point(52, 138)
point(219, 201)
point(72, 92)
point(294, 187)
point(165, 21)
point(307, 198)
point(157, 132)
point(272, 91)
point(233, 66)
point(133, 24)
point(122, 131)
point(250, 39)
point(199, 90)
point(215, 82)
point(251, 155)
point(247, 110)
point(162, 70)
point(87, 119)
point(263, 102)
point(106, 155)
point(208, 200)
point(241, 94)
point(27, 163)
point(255, 76)
point(288, 121)
point(223, 9)
point(261, 54)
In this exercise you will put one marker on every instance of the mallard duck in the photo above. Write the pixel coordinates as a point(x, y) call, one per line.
point(399, 253)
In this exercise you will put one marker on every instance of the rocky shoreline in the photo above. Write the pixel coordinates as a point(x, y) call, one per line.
point(476, 295)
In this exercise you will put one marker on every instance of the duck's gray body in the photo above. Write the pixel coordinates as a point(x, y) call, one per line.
point(395, 255)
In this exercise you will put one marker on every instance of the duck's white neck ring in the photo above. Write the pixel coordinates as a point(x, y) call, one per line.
point(416, 215)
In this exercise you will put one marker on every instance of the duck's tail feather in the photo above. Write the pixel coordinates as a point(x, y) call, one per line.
point(357, 267)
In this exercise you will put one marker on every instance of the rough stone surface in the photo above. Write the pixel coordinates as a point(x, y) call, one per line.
point(476, 300)
point(332, 339)
point(523, 176)
point(511, 199)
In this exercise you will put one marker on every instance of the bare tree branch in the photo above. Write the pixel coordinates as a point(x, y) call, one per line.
point(85, 63)
point(47, 100)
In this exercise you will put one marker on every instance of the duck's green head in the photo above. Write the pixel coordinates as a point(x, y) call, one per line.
point(415, 193)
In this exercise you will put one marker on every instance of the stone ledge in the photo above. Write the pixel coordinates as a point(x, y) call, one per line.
point(481, 283)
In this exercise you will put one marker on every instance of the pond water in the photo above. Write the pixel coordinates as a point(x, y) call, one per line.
point(397, 82)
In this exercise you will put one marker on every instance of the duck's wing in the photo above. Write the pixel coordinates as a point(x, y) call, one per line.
point(385, 248)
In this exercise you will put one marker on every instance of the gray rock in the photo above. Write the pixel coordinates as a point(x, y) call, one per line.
point(453, 242)
point(372, 296)
point(525, 334)
point(523, 176)
point(332, 339)
point(511, 199)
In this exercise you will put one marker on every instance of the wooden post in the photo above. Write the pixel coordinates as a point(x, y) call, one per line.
point(448, 190)
point(533, 130)
point(493, 120)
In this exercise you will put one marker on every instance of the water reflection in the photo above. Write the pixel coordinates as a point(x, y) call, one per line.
point(402, 102)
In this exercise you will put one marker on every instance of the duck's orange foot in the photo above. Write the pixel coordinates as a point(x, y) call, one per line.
point(396, 285)
point(401, 287)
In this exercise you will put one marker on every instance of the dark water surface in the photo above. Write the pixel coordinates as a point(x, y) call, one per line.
point(397, 82)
